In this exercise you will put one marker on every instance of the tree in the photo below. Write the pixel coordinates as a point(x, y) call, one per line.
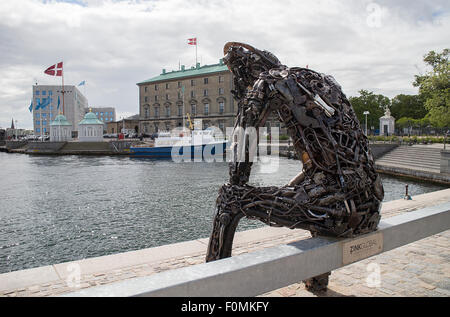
point(368, 101)
point(411, 106)
point(434, 87)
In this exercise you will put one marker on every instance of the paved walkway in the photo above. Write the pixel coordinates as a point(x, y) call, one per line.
point(418, 269)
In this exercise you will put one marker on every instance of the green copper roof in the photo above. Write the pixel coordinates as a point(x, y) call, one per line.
point(60, 120)
point(189, 72)
point(90, 118)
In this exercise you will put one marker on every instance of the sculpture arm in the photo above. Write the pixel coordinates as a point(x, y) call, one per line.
point(252, 114)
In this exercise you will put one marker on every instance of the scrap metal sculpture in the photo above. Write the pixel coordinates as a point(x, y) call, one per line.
point(338, 193)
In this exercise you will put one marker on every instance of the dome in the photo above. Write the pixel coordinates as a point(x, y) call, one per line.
point(90, 118)
point(60, 120)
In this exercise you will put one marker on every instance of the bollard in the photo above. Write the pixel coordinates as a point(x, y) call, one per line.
point(407, 196)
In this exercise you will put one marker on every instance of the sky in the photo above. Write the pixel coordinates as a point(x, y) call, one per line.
point(112, 45)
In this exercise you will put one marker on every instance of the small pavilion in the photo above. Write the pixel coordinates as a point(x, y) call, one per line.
point(90, 129)
point(60, 129)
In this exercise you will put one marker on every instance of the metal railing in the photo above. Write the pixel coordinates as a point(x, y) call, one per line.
point(262, 271)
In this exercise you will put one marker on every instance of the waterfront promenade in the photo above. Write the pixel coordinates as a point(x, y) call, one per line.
point(418, 269)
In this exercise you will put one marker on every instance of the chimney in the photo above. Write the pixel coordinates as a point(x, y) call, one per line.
point(198, 65)
point(182, 68)
point(164, 71)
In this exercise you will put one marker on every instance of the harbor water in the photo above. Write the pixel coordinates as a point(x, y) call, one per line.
point(55, 209)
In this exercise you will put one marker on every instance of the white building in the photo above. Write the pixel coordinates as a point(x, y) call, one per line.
point(90, 129)
point(73, 110)
point(60, 129)
point(387, 123)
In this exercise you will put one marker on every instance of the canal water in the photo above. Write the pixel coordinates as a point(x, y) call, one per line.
point(61, 208)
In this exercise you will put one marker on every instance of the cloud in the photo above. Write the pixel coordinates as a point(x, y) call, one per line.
point(375, 45)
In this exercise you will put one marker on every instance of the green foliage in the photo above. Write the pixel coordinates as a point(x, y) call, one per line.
point(434, 88)
point(411, 106)
point(368, 101)
point(405, 139)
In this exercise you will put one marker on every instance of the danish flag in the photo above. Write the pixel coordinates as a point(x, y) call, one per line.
point(192, 41)
point(55, 70)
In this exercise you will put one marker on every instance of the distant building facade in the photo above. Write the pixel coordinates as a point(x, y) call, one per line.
point(105, 114)
point(201, 91)
point(130, 124)
point(74, 105)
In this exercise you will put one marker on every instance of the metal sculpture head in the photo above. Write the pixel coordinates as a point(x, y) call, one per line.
point(247, 63)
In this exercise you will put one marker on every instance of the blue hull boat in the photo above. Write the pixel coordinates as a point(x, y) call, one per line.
point(201, 151)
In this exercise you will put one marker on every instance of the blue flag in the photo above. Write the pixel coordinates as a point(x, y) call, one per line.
point(58, 103)
point(38, 105)
point(82, 83)
point(31, 106)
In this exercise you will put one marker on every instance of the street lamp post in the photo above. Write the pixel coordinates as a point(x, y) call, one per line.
point(366, 113)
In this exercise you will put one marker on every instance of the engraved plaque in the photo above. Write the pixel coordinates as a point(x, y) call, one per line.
point(362, 248)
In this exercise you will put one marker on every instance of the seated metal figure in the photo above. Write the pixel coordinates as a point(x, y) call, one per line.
point(338, 193)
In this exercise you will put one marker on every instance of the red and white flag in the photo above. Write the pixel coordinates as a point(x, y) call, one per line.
point(55, 70)
point(192, 41)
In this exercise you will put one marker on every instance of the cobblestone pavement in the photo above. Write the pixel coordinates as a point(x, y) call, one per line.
point(418, 269)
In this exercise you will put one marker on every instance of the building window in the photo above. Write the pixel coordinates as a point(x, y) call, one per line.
point(101, 113)
point(38, 100)
point(38, 122)
point(167, 96)
point(167, 111)
point(206, 110)
point(156, 87)
point(205, 81)
point(193, 109)
point(221, 107)
point(220, 91)
point(192, 94)
point(44, 92)
point(146, 114)
point(220, 79)
point(37, 92)
point(145, 99)
point(180, 111)
point(167, 85)
point(38, 130)
point(51, 115)
point(179, 95)
point(156, 98)
point(156, 112)
point(192, 82)
point(50, 92)
point(44, 115)
point(179, 84)
point(145, 89)
point(44, 123)
point(111, 113)
point(37, 115)
point(205, 92)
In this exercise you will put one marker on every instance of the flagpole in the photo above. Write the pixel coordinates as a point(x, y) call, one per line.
point(63, 85)
point(184, 111)
point(40, 118)
point(196, 44)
